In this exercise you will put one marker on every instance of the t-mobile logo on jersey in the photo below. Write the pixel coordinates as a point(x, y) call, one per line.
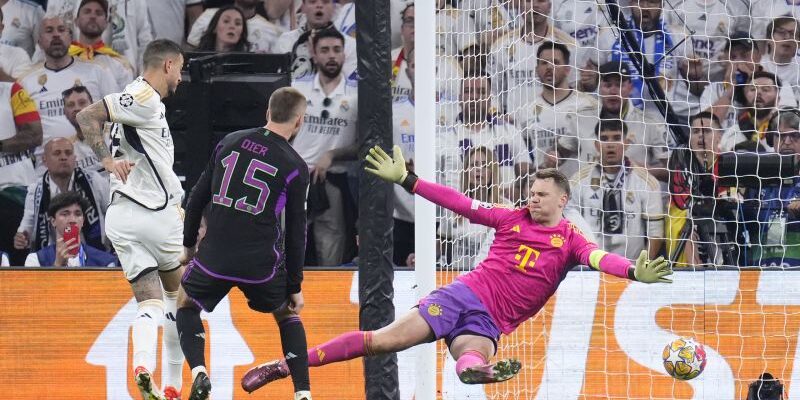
point(227, 350)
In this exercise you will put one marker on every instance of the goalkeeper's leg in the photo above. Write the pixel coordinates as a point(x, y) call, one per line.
point(472, 353)
point(408, 331)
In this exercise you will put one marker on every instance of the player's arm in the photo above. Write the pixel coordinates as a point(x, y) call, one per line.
point(647, 271)
point(91, 120)
point(394, 170)
point(295, 222)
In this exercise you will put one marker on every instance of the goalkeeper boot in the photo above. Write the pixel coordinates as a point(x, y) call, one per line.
point(263, 374)
point(144, 380)
point(170, 393)
point(503, 370)
point(201, 388)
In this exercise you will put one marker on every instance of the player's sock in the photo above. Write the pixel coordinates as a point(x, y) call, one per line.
point(145, 333)
point(192, 336)
point(344, 347)
point(295, 348)
point(173, 374)
point(469, 358)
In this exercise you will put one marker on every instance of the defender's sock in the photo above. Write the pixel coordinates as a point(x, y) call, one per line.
point(295, 349)
point(192, 337)
point(173, 355)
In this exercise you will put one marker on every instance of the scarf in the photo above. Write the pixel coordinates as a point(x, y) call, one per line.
point(88, 51)
point(663, 40)
point(612, 214)
point(92, 231)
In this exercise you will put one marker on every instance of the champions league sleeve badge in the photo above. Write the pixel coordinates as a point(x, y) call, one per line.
point(126, 100)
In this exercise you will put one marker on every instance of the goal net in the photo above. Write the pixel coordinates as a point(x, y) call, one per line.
point(523, 85)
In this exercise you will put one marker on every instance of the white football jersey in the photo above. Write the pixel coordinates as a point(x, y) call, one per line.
point(302, 63)
point(145, 140)
point(545, 124)
point(789, 74)
point(580, 19)
point(14, 61)
point(712, 22)
point(45, 85)
point(403, 134)
point(763, 12)
point(642, 206)
point(512, 67)
point(21, 19)
point(167, 18)
point(326, 127)
point(16, 169)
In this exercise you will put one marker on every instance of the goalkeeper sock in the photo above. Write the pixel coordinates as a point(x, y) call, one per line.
point(344, 347)
point(469, 358)
point(295, 350)
point(192, 336)
point(173, 355)
point(145, 333)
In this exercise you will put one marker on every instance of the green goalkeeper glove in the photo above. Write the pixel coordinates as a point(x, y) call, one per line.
point(392, 169)
point(652, 271)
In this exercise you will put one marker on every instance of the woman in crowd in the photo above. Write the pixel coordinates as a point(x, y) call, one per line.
point(227, 32)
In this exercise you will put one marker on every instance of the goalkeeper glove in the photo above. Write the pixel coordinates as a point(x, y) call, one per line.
point(392, 169)
point(652, 271)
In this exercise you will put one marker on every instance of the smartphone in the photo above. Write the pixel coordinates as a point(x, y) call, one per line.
point(72, 232)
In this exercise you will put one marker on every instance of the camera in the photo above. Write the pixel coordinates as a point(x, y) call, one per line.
point(755, 170)
point(766, 387)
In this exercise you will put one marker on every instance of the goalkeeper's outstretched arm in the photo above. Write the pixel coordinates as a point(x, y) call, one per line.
point(393, 169)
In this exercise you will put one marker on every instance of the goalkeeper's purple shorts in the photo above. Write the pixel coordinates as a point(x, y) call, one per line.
point(454, 310)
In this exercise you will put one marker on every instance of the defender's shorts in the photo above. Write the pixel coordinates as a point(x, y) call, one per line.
point(207, 288)
point(145, 240)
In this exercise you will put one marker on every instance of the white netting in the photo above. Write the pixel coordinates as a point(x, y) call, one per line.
point(504, 111)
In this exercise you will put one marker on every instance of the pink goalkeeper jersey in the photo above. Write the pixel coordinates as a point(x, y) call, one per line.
point(526, 262)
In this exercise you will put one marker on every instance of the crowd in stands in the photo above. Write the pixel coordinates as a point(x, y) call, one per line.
point(520, 85)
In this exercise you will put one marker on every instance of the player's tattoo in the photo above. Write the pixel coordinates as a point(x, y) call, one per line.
point(91, 120)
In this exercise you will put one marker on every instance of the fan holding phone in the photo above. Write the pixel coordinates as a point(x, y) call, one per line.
point(66, 215)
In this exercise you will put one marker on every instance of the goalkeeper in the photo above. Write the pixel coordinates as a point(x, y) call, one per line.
point(533, 249)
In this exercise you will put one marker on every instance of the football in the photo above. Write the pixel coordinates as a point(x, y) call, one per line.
point(684, 358)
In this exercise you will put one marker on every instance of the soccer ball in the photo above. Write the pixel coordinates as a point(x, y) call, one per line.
point(684, 358)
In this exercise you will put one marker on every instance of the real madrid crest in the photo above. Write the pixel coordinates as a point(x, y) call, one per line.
point(78, 83)
point(629, 197)
point(42, 79)
point(345, 106)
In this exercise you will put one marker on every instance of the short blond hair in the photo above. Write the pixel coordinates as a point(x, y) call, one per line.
point(284, 104)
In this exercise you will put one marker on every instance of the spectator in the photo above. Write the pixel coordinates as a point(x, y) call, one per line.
point(781, 58)
point(776, 208)
point(64, 210)
point(344, 19)
point(76, 99)
point(129, 31)
point(582, 19)
point(20, 133)
point(646, 16)
point(760, 99)
point(687, 91)
point(483, 22)
point(169, 18)
point(621, 201)
point(763, 12)
point(319, 16)
point(404, 134)
point(328, 137)
point(34, 231)
point(92, 21)
point(550, 130)
point(695, 193)
point(463, 241)
point(512, 58)
point(261, 34)
point(283, 13)
point(228, 33)
point(743, 60)
point(13, 60)
point(25, 16)
point(401, 85)
point(646, 136)
point(60, 71)
point(447, 29)
point(479, 126)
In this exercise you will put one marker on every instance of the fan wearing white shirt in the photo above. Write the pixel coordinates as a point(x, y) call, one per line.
point(261, 33)
point(319, 16)
point(328, 136)
point(144, 220)
point(404, 134)
point(401, 83)
point(46, 81)
point(92, 21)
point(23, 17)
point(13, 60)
point(169, 18)
point(763, 12)
point(781, 59)
point(76, 99)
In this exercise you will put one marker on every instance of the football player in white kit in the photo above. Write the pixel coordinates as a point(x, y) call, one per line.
point(144, 220)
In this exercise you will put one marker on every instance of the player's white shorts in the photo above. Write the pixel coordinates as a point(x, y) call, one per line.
point(145, 240)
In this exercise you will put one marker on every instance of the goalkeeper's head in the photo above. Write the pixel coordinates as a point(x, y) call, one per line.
point(548, 196)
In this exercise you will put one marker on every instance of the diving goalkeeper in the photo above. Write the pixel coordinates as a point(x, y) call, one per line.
point(533, 249)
